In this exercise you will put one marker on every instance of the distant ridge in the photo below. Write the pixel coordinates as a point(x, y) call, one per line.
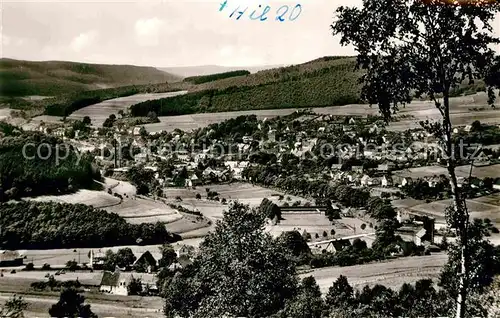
point(188, 71)
point(52, 78)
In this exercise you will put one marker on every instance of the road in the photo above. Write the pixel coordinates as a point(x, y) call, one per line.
point(392, 273)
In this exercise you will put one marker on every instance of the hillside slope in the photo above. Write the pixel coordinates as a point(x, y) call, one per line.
point(327, 81)
point(51, 78)
point(201, 70)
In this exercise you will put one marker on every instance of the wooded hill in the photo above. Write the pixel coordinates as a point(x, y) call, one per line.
point(327, 81)
point(52, 78)
point(46, 225)
point(22, 172)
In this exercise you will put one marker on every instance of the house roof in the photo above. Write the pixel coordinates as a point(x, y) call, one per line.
point(110, 279)
point(421, 233)
point(184, 260)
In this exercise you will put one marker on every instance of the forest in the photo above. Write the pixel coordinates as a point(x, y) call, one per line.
point(335, 85)
point(22, 168)
point(47, 225)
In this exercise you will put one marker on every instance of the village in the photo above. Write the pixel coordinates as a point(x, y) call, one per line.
point(177, 176)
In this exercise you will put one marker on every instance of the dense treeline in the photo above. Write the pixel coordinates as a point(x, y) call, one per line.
point(65, 106)
point(46, 225)
point(332, 86)
point(23, 167)
point(213, 77)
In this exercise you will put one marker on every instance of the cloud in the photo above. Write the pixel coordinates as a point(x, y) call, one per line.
point(83, 40)
point(147, 31)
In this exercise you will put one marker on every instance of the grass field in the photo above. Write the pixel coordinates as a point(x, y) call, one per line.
point(99, 112)
point(419, 110)
point(482, 207)
point(492, 171)
point(98, 199)
point(103, 305)
point(392, 273)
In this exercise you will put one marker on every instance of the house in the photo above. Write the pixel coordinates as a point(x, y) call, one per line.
point(357, 169)
point(336, 166)
point(10, 258)
point(387, 181)
point(136, 131)
point(374, 129)
point(433, 181)
point(193, 181)
point(183, 156)
point(352, 121)
point(247, 139)
point(406, 181)
point(496, 185)
point(365, 180)
point(114, 283)
point(337, 246)
point(271, 135)
point(186, 250)
point(419, 237)
point(145, 263)
point(141, 157)
point(468, 128)
point(386, 167)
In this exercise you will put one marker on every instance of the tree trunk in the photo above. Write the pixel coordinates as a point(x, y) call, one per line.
point(459, 206)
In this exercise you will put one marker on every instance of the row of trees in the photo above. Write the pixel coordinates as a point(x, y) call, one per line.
point(45, 225)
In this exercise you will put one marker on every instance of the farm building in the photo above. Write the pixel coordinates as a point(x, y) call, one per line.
point(145, 262)
point(114, 284)
point(10, 258)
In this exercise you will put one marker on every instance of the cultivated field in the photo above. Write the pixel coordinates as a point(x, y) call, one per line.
point(391, 273)
point(99, 112)
point(419, 110)
point(492, 171)
point(482, 207)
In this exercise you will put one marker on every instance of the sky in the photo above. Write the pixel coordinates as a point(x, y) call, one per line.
point(167, 33)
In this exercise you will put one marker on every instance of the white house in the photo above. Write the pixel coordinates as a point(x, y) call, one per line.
point(365, 180)
point(386, 181)
point(114, 284)
point(406, 181)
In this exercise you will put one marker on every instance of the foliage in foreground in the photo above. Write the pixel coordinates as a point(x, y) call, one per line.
point(46, 225)
point(71, 304)
point(240, 270)
point(14, 307)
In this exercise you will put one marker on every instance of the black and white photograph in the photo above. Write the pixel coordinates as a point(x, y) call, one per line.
point(237, 158)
